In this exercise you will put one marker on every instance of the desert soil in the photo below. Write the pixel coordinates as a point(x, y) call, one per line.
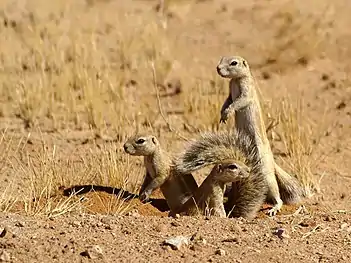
point(76, 81)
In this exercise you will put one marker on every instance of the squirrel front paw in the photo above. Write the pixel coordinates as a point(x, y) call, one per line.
point(276, 208)
point(144, 196)
point(224, 117)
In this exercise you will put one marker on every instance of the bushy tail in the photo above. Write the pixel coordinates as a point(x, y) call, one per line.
point(291, 191)
point(247, 196)
point(212, 148)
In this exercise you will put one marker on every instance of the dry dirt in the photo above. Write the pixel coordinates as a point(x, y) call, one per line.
point(79, 77)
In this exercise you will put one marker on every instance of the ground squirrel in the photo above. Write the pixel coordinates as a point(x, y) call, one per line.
point(212, 148)
point(244, 102)
point(247, 185)
point(245, 196)
point(180, 188)
point(176, 189)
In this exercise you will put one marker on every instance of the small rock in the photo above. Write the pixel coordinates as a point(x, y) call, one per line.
point(220, 252)
point(325, 77)
point(5, 256)
point(4, 232)
point(19, 224)
point(177, 216)
point(266, 75)
point(197, 238)
point(244, 229)
point(304, 224)
point(106, 220)
point(341, 105)
point(281, 233)
point(177, 242)
point(92, 252)
point(76, 224)
point(343, 226)
point(133, 213)
point(231, 240)
point(174, 223)
point(196, 247)
point(126, 231)
point(108, 227)
point(328, 219)
point(160, 228)
point(302, 61)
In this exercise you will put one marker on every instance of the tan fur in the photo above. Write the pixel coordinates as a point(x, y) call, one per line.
point(247, 196)
point(159, 173)
point(213, 148)
point(244, 102)
point(208, 199)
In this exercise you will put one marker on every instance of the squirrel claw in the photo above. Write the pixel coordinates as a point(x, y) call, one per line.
point(224, 117)
point(273, 211)
point(222, 120)
point(276, 208)
point(144, 197)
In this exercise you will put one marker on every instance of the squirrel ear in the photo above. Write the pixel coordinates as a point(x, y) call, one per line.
point(154, 139)
point(244, 63)
point(219, 167)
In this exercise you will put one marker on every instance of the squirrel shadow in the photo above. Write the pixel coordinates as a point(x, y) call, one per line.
point(160, 204)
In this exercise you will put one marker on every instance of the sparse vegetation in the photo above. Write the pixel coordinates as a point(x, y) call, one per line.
point(77, 78)
point(82, 81)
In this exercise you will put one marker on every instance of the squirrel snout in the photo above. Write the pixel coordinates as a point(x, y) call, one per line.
point(220, 69)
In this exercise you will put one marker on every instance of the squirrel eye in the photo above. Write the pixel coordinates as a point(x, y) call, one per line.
point(233, 63)
point(140, 141)
point(232, 167)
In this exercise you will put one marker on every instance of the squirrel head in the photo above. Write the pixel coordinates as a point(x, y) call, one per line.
point(233, 67)
point(141, 145)
point(230, 171)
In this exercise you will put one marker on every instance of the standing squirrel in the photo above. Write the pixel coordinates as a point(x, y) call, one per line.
point(176, 189)
point(213, 148)
point(248, 186)
point(244, 102)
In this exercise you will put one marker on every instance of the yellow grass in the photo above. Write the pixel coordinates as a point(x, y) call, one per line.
point(90, 67)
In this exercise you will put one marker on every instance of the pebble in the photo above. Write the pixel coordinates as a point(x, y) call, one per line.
point(4, 232)
point(232, 240)
point(281, 233)
point(343, 226)
point(198, 238)
point(220, 252)
point(76, 224)
point(20, 224)
point(93, 252)
point(133, 213)
point(5, 256)
point(177, 242)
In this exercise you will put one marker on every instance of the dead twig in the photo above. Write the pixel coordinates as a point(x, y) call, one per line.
point(169, 126)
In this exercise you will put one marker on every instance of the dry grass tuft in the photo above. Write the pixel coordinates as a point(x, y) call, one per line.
point(299, 142)
point(49, 174)
point(99, 70)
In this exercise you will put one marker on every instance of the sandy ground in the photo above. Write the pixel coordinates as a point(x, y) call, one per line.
point(298, 50)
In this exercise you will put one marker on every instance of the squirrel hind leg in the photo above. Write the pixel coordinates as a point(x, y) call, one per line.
point(246, 198)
